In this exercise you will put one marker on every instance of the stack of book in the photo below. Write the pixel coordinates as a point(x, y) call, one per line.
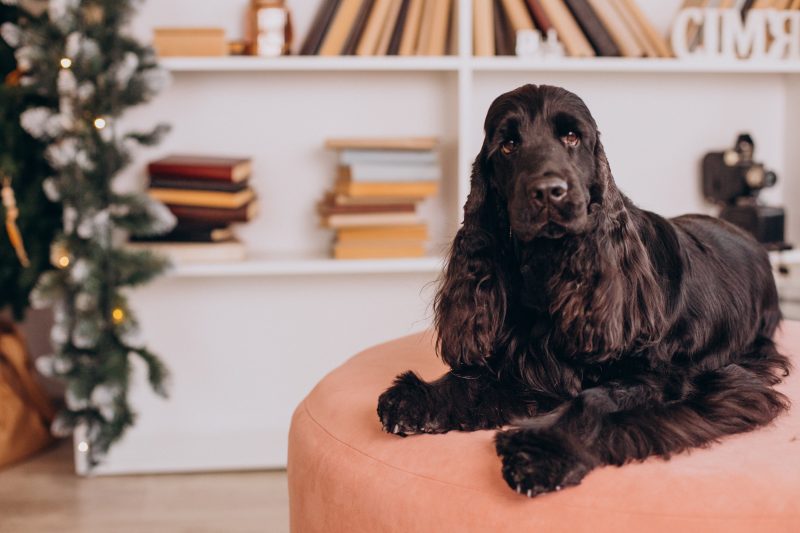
point(382, 27)
point(586, 28)
point(373, 206)
point(207, 195)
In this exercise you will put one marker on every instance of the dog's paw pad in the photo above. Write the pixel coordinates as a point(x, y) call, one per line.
point(403, 409)
point(533, 466)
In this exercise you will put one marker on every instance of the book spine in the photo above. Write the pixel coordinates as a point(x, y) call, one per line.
point(351, 45)
point(426, 28)
point(397, 34)
point(619, 32)
point(408, 43)
point(346, 14)
point(595, 31)
point(372, 33)
point(391, 173)
point(319, 27)
point(177, 171)
point(483, 26)
point(441, 18)
point(568, 30)
point(658, 41)
point(211, 215)
point(388, 157)
point(388, 28)
point(518, 16)
point(503, 38)
point(634, 27)
point(539, 16)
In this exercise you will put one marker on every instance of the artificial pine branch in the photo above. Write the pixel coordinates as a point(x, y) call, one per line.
point(86, 73)
point(22, 161)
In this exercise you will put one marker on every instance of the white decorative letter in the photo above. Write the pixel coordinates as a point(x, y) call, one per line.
point(680, 29)
point(748, 39)
point(785, 29)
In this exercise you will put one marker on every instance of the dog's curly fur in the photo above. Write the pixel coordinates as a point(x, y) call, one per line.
point(601, 332)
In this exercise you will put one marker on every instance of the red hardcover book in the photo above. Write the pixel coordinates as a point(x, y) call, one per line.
point(539, 16)
point(214, 215)
point(201, 167)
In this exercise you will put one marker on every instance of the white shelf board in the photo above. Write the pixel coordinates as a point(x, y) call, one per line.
point(477, 64)
point(262, 265)
point(622, 65)
point(308, 63)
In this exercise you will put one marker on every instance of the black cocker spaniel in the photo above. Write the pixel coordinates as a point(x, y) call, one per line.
point(602, 333)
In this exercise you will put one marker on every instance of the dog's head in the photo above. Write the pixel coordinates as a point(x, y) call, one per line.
point(542, 158)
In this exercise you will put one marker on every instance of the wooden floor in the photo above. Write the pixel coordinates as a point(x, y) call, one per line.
point(43, 495)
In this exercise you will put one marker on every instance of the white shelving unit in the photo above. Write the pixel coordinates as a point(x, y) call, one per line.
point(246, 341)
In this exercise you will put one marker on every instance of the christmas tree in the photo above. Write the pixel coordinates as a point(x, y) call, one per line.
point(22, 164)
point(76, 58)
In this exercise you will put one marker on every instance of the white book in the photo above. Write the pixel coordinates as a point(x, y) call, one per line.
point(373, 172)
point(371, 219)
point(388, 157)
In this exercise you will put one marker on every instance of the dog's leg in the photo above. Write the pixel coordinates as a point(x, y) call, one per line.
point(594, 429)
point(456, 401)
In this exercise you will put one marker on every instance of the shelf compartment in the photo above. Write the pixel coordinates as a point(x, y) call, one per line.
point(297, 265)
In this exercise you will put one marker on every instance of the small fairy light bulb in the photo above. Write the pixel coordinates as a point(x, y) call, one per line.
point(59, 256)
point(118, 315)
point(83, 446)
point(100, 123)
point(66, 63)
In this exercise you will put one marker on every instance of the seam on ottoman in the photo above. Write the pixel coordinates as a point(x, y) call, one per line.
point(305, 407)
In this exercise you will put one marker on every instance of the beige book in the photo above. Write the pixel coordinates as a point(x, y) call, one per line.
point(417, 232)
point(483, 27)
point(426, 28)
point(441, 19)
point(518, 15)
point(340, 28)
point(348, 251)
point(658, 41)
point(569, 32)
point(379, 143)
point(388, 28)
point(372, 31)
point(190, 42)
point(623, 38)
point(408, 43)
point(726, 4)
point(215, 199)
point(369, 219)
point(795, 4)
point(634, 27)
point(452, 46)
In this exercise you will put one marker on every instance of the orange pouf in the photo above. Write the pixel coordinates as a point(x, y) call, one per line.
point(346, 475)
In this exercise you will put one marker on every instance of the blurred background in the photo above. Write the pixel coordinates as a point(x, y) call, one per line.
point(319, 158)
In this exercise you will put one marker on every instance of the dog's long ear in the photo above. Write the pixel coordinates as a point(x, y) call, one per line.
point(470, 305)
point(614, 303)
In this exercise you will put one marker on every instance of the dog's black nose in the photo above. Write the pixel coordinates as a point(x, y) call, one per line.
point(552, 190)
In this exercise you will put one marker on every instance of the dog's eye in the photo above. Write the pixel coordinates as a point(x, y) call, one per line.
point(571, 139)
point(508, 147)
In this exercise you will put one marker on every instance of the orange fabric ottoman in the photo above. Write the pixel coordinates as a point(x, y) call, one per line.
point(346, 475)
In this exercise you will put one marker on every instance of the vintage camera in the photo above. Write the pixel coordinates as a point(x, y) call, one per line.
point(733, 179)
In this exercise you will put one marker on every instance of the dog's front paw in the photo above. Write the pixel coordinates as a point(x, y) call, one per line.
point(537, 462)
point(404, 409)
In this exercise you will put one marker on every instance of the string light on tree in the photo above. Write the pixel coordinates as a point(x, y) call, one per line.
point(118, 315)
point(101, 73)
